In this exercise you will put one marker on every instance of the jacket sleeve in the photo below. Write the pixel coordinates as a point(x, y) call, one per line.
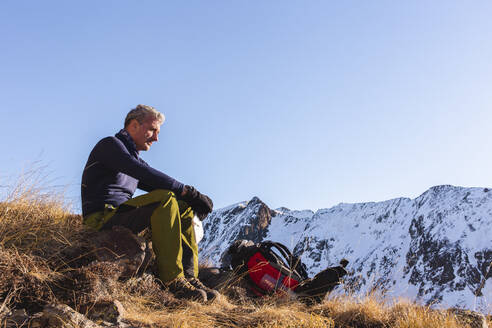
point(145, 187)
point(114, 155)
point(142, 185)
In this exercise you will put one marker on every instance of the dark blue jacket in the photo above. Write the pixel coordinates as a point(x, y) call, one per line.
point(114, 171)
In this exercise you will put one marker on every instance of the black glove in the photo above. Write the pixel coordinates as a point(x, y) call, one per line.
point(200, 203)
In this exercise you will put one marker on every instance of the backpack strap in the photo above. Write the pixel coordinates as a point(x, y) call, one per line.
point(289, 260)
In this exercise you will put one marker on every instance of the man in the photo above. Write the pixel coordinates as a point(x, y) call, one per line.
point(114, 171)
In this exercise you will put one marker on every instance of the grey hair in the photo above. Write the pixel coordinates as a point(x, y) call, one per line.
point(141, 112)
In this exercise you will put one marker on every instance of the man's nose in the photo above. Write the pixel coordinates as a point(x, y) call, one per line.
point(155, 137)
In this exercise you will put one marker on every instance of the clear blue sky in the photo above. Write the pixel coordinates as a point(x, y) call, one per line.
point(304, 104)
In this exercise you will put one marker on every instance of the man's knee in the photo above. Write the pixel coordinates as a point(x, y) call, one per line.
point(166, 198)
point(168, 202)
point(155, 196)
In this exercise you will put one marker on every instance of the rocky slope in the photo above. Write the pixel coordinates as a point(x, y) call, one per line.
point(436, 248)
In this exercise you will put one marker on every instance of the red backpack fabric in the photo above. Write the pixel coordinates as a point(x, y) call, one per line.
point(269, 267)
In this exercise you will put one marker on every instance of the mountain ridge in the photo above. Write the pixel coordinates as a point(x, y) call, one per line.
point(435, 248)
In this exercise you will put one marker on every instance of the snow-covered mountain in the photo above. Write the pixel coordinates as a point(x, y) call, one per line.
point(436, 248)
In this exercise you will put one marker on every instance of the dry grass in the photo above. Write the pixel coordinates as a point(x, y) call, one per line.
point(38, 235)
point(371, 311)
point(36, 220)
point(223, 314)
point(346, 312)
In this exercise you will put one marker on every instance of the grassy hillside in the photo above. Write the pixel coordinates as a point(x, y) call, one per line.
point(45, 258)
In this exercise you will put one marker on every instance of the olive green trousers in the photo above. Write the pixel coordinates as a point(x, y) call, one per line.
point(170, 220)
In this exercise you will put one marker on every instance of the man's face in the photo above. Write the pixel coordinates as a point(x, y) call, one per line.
point(144, 134)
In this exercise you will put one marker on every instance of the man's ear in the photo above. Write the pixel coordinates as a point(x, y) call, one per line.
point(133, 125)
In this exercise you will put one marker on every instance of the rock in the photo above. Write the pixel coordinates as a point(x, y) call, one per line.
point(17, 318)
point(105, 312)
point(94, 282)
point(4, 311)
point(150, 287)
point(469, 318)
point(121, 246)
point(35, 321)
point(62, 316)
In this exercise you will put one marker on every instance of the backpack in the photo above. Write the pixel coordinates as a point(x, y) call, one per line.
point(268, 267)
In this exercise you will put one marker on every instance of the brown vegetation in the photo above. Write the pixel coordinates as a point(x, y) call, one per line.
point(46, 258)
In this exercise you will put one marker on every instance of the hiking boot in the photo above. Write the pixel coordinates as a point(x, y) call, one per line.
point(211, 293)
point(182, 289)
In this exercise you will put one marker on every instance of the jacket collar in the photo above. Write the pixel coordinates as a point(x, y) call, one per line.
point(127, 140)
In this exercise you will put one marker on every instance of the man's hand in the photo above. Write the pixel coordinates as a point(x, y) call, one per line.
point(200, 203)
